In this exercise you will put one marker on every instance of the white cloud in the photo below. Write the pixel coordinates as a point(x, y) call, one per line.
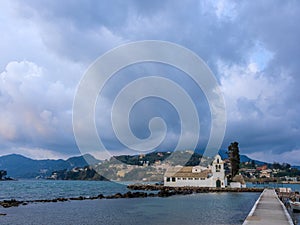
point(225, 9)
point(247, 83)
point(35, 153)
point(34, 109)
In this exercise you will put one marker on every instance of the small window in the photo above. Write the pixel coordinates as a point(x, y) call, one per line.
point(173, 179)
point(190, 178)
point(179, 178)
point(184, 178)
point(218, 161)
point(202, 178)
point(196, 178)
point(219, 166)
point(168, 179)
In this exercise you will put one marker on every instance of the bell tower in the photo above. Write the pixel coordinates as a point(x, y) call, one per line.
point(218, 171)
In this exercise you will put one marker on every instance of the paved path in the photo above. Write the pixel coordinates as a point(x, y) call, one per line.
point(268, 210)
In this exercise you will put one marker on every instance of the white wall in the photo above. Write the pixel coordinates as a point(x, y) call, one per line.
point(208, 182)
point(235, 185)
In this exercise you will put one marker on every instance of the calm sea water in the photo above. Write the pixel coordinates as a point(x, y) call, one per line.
point(49, 189)
point(206, 208)
point(212, 208)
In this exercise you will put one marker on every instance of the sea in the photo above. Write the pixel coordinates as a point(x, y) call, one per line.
point(203, 208)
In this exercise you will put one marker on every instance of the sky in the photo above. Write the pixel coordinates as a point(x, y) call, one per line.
point(252, 49)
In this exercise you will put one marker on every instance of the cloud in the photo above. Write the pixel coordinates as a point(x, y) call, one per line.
point(257, 109)
point(35, 153)
point(252, 48)
point(34, 110)
point(246, 88)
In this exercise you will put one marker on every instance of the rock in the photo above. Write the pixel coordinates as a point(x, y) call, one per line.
point(164, 193)
point(62, 199)
point(128, 195)
point(93, 197)
point(152, 195)
point(118, 195)
point(78, 198)
point(10, 203)
point(100, 196)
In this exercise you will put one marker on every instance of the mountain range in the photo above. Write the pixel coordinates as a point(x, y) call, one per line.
point(243, 158)
point(18, 166)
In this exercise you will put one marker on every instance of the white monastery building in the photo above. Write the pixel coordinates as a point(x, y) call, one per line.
point(197, 176)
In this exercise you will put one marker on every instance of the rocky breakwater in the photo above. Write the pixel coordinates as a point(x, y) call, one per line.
point(161, 191)
point(129, 194)
point(188, 190)
point(11, 203)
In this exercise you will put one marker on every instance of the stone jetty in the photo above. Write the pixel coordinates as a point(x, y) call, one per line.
point(179, 190)
point(268, 209)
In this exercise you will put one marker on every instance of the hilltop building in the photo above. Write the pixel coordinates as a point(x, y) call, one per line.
point(197, 176)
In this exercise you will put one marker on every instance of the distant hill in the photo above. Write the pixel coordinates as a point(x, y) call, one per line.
point(18, 166)
point(150, 158)
point(243, 158)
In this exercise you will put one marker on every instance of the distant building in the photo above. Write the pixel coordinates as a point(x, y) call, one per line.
point(160, 154)
point(265, 173)
point(294, 179)
point(141, 156)
point(197, 176)
point(263, 167)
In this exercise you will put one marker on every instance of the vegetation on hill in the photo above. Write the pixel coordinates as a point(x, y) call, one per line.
point(86, 173)
point(151, 158)
point(269, 172)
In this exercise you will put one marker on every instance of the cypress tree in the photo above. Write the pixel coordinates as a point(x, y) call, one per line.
point(234, 157)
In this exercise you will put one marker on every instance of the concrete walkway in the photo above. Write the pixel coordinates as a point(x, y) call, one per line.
point(268, 210)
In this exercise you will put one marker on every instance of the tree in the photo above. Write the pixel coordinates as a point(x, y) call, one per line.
point(276, 166)
point(253, 166)
point(286, 166)
point(234, 157)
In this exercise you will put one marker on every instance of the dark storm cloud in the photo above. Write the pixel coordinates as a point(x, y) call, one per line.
point(252, 49)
